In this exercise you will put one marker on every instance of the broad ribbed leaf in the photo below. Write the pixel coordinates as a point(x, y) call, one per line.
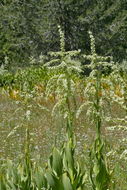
point(40, 179)
point(69, 155)
point(57, 162)
point(66, 182)
point(2, 184)
point(51, 179)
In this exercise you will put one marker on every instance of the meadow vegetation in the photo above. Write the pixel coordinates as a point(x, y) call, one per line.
point(60, 129)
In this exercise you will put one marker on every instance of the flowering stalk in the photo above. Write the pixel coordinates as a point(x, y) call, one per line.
point(99, 174)
point(62, 83)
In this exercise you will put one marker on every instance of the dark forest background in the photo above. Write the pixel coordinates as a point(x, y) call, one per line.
point(29, 28)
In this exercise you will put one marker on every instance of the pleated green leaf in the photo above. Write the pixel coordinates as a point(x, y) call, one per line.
point(57, 162)
point(66, 182)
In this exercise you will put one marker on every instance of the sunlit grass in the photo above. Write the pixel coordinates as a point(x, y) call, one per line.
point(45, 111)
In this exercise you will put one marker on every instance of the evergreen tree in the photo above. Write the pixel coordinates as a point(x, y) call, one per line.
point(29, 27)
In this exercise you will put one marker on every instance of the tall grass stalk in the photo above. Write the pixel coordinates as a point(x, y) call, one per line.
point(63, 171)
point(64, 64)
point(99, 173)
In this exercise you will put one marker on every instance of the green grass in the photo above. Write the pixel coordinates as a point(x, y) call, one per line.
point(78, 123)
point(45, 131)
